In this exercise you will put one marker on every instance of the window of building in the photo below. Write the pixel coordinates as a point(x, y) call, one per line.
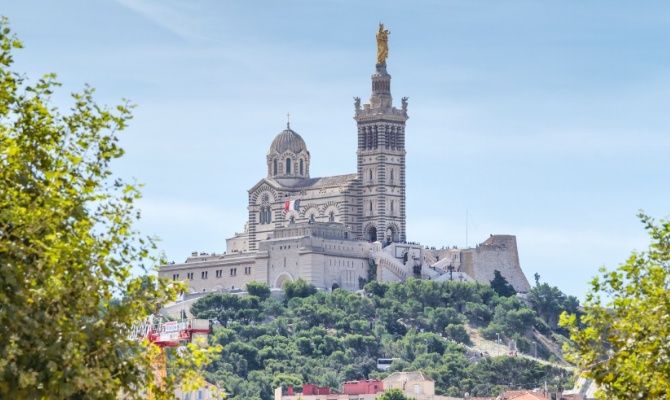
point(331, 216)
point(391, 175)
point(233, 272)
point(370, 174)
point(247, 270)
point(219, 273)
point(203, 274)
point(392, 206)
point(274, 162)
point(189, 275)
point(370, 206)
point(288, 166)
point(302, 167)
point(265, 215)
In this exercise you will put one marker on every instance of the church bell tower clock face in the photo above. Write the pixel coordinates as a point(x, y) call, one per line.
point(381, 155)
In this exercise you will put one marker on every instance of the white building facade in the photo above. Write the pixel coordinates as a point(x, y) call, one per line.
point(336, 231)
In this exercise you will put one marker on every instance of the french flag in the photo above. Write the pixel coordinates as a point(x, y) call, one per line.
point(291, 205)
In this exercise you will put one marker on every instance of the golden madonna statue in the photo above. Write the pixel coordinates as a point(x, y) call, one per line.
point(382, 44)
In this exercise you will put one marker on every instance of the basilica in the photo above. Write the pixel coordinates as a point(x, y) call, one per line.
point(340, 231)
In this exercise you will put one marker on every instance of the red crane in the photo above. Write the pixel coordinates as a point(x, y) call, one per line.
point(162, 333)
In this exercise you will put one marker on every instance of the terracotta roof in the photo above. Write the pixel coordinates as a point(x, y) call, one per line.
point(523, 395)
point(417, 376)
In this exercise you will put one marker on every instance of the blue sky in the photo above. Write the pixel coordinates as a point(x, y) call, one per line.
point(543, 119)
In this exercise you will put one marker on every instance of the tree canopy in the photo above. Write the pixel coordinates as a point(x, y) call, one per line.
point(501, 286)
point(393, 394)
point(68, 294)
point(327, 338)
point(621, 341)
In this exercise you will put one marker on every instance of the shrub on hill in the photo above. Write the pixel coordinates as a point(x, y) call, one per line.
point(329, 337)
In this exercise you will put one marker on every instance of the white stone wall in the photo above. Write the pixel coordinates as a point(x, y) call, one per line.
point(238, 243)
point(319, 261)
point(208, 273)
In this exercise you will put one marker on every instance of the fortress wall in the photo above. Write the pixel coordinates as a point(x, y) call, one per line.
point(498, 252)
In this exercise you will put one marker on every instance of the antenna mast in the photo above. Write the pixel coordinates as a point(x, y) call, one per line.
point(466, 228)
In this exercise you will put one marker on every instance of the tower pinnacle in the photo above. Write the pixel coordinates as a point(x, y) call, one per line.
point(382, 44)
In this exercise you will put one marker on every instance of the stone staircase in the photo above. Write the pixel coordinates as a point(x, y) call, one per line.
point(386, 261)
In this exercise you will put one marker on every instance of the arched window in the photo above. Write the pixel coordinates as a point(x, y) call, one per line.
point(331, 216)
point(288, 166)
point(302, 167)
point(370, 206)
point(275, 166)
point(391, 175)
point(392, 207)
point(370, 174)
point(265, 215)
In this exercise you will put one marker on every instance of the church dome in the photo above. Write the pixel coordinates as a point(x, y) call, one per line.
point(288, 140)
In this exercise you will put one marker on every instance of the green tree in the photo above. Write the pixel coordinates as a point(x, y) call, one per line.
point(298, 288)
point(622, 339)
point(549, 302)
point(67, 248)
point(227, 308)
point(259, 289)
point(393, 394)
point(501, 286)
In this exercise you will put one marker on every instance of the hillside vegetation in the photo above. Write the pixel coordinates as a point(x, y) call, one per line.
point(330, 337)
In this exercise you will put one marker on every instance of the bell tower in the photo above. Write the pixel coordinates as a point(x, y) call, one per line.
point(381, 155)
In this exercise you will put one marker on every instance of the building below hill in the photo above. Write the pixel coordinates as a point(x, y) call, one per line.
point(340, 231)
point(414, 385)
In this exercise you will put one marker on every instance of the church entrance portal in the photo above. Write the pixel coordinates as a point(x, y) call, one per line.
point(372, 234)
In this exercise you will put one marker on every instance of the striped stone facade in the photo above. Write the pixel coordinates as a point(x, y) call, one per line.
point(370, 203)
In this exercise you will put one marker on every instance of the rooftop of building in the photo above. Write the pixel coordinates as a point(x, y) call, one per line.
point(326, 230)
point(288, 140)
point(321, 182)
